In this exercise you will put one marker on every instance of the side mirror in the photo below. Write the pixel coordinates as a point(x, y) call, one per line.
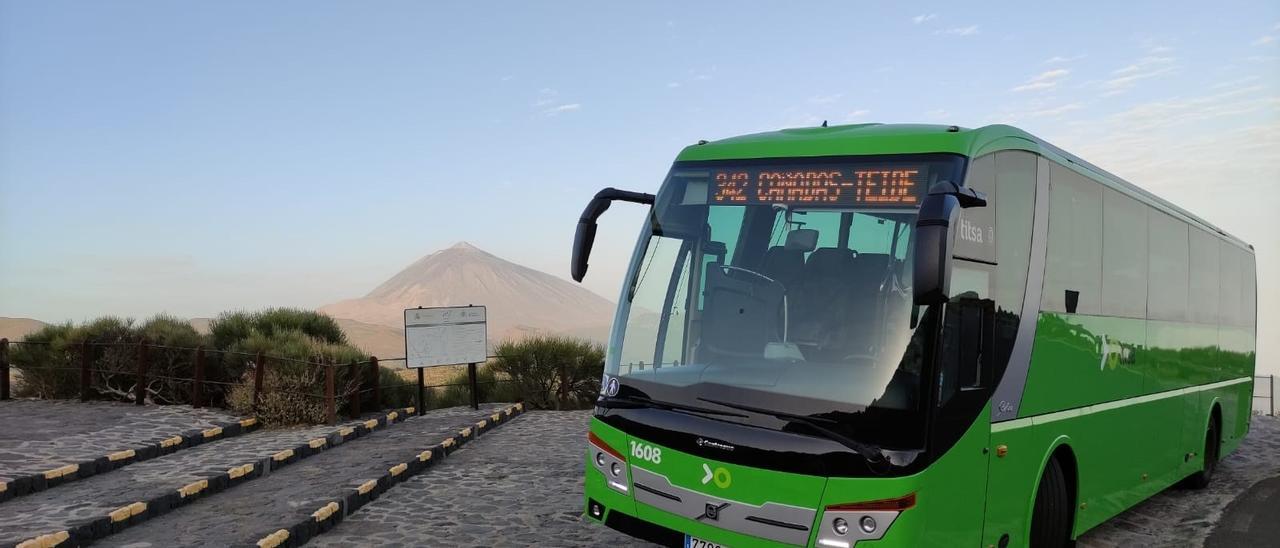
point(585, 236)
point(939, 211)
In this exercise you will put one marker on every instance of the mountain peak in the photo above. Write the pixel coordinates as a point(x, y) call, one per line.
point(520, 299)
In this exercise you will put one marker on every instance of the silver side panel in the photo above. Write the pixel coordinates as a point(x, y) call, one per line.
point(1008, 394)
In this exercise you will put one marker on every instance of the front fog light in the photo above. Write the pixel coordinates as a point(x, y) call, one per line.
point(599, 458)
point(617, 470)
point(840, 526)
point(868, 524)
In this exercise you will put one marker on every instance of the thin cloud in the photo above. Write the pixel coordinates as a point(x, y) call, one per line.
point(1054, 112)
point(857, 115)
point(1044, 81)
point(959, 31)
point(924, 18)
point(825, 99)
point(673, 85)
point(1058, 59)
point(1125, 78)
point(1264, 40)
point(561, 109)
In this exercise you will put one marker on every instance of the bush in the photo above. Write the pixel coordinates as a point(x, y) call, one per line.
point(490, 388)
point(231, 327)
point(551, 372)
point(46, 367)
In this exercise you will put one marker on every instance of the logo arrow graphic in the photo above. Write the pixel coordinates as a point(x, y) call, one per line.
point(707, 469)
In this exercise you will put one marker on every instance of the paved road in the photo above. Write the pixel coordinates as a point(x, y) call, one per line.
point(520, 485)
point(66, 505)
point(1251, 520)
point(39, 435)
point(246, 513)
point(1185, 517)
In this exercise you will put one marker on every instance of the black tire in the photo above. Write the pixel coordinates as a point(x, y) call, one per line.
point(1212, 445)
point(1051, 518)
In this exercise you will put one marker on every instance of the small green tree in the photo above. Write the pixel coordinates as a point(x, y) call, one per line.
point(551, 372)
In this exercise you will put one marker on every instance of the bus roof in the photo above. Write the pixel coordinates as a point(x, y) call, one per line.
point(866, 139)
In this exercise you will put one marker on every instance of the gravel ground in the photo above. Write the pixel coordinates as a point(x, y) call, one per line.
point(39, 435)
point(244, 514)
point(528, 472)
point(58, 508)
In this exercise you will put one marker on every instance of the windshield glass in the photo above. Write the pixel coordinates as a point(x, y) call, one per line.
point(783, 285)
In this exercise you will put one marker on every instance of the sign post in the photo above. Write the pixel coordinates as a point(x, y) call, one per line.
point(446, 335)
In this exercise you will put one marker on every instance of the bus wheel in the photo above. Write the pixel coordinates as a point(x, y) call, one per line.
point(1051, 518)
point(1212, 441)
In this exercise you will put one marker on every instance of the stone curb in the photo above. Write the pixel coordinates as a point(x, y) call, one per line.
point(126, 516)
point(40, 481)
point(332, 513)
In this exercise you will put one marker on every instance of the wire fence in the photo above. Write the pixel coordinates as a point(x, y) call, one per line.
point(140, 371)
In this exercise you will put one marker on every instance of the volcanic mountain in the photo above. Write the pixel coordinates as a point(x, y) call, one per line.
point(521, 301)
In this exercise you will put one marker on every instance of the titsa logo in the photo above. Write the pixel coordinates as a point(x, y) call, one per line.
point(970, 232)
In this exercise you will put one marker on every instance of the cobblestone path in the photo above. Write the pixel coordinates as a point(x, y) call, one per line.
point(63, 506)
point(245, 514)
point(39, 435)
point(520, 485)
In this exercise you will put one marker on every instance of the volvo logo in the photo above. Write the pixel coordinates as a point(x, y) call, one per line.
point(704, 442)
point(712, 512)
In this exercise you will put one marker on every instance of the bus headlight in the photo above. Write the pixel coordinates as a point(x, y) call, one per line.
point(616, 469)
point(599, 458)
point(868, 524)
point(840, 526)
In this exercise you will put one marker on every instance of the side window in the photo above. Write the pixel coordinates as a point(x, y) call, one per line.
point(1016, 188)
point(1202, 300)
point(1124, 256)
point(1167, 262)
point(1073, 270)
point(1229, 311)
point(976, 236)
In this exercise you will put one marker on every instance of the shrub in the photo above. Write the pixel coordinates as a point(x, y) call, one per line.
point(46, 367)
point(490, 388)
point(231, 327)
point(551, 371)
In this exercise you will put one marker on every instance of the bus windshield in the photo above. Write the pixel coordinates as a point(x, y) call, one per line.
point(785, 286)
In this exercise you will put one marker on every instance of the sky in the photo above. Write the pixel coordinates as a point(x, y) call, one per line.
point(192, 158)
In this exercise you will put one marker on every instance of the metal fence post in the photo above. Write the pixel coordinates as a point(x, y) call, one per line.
point(197, 386)
point(353, 375)
point(86, 379)
point(259, 363)
point(1272, 399)
point(140, 395)
point(377, 382)
point(475, 389)
point(4, 369)
point(329, 410)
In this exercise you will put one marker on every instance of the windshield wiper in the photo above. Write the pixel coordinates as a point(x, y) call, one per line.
point(867, 451)
point(613, 402)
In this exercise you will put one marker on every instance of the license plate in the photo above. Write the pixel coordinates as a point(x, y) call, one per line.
point(691, 541)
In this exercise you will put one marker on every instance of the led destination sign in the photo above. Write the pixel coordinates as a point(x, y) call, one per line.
point(885, 187)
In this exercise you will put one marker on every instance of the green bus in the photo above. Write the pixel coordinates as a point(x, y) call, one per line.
point(910, 335)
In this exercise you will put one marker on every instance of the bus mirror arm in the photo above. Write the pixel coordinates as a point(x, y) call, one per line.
point(932, 258)
point(585, 236)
